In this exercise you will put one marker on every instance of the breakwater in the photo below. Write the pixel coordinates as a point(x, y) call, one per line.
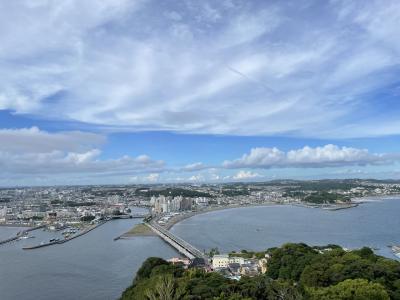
point(64, 240)
point(19, 234)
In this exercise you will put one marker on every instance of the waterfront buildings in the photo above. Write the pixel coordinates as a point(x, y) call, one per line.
point(162, 204)
point(30, 206)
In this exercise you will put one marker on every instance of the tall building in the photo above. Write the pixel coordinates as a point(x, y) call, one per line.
point(162, 204)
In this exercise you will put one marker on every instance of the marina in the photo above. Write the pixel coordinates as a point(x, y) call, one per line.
point(57, 241)
point(20, 234)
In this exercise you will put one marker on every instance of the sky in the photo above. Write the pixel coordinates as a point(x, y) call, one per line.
point(147, 91)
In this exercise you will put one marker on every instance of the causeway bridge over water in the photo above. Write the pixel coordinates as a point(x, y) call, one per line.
point(176, 242)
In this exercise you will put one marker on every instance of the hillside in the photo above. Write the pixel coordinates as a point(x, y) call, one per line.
point(294, 271)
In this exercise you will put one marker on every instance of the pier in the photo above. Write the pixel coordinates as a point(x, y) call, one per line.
point(65, 240)
point(179, 244)
point(19, 234)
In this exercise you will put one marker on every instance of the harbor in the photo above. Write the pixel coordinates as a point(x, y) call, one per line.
point(68, 234)
point(67, 239)
point(20, 234)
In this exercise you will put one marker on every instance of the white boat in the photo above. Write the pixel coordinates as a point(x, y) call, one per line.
point(396, 250)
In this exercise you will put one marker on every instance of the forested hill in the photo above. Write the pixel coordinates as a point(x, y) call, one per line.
point(295, 271)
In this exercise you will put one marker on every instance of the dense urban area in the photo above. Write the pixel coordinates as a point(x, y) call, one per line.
point(75, 204)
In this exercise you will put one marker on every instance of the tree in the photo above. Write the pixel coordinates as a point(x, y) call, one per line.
point(165, 289)
point(350, 289)
point(283, 290)
point(289, 261)
point(295, 271)
point(148, 266)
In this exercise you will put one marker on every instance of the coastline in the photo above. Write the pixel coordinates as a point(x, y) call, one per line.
point(354, 203)
point(374, 198)
point(16, 225)
point(175, 220)
point(137, 230)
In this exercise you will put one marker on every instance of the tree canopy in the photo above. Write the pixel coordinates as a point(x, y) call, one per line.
point(295, 271)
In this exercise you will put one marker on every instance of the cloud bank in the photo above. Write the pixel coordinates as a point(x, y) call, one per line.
point(245, 175)
point(30, 152)
point(34, 140)
point(307, 157)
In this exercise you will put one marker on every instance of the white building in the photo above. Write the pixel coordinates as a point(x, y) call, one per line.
point(223, 260)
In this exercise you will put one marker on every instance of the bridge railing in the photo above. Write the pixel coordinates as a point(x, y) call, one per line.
point(182, 243)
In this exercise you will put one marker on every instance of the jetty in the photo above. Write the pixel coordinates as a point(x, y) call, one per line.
point(176, 242)
point(19, 234)
point(65, 240)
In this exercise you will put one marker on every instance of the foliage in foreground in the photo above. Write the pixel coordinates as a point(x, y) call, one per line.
point(295, 271)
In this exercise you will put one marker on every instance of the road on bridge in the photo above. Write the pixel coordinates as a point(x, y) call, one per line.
point(181, 245)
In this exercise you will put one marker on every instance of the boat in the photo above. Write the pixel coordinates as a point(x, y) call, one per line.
point(396, 250)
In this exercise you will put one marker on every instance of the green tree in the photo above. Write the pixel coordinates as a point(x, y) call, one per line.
point(350, 289)
point(165, 289)
point(289, 261)
point(148, 266)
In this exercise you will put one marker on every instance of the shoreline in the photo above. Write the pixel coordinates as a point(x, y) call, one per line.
point(374, 198)
point(16, 225)
point(175, 220)
point(334, 207)
point(139, 229)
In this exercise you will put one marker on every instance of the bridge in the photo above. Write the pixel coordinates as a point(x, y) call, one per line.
point(179, 244)
point(141, 215)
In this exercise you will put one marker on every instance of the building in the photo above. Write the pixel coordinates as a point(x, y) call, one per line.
point(162, 204)
point(198, 262)
point(180, 261)
point(223, 260)
point(220, 261)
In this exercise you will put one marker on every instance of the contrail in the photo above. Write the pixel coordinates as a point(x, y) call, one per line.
point(250, 79)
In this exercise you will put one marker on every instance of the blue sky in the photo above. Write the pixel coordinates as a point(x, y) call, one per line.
point(137, 91)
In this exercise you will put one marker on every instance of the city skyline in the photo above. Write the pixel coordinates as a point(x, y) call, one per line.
point(142, 92)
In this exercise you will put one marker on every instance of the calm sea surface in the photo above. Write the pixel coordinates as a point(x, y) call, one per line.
point(90, 267)
point(374, 224)
point(96, 267)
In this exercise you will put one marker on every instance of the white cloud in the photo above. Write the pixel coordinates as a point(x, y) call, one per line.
point(245, 175)
point(204, 67)
point(58, 162)
point(307, 157)
point(34, 140)
point(134, 179)
point(197, 166)
point(197, 177)
point(30, 152)
point(153, 177)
